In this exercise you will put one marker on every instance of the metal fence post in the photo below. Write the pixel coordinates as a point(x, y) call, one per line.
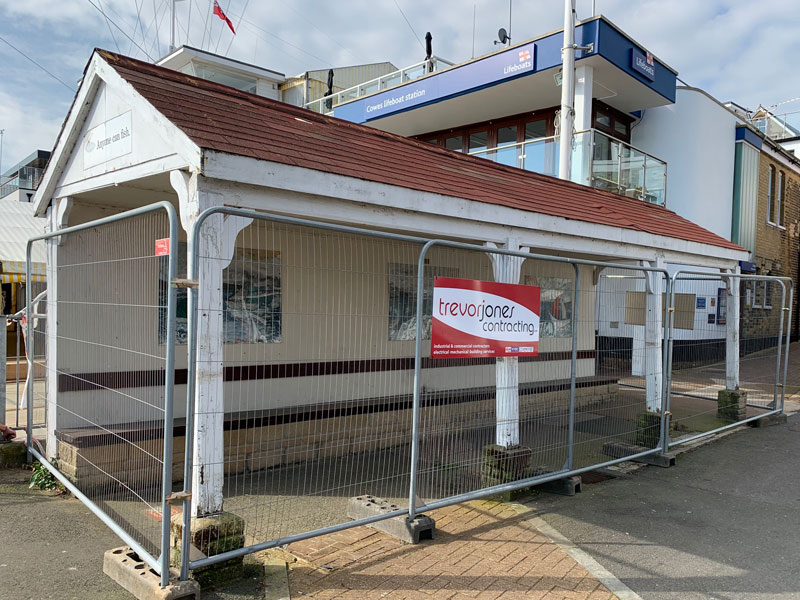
point(192, 270)
point(671, 286)
point(780, 343)
point(573, 367)
point(169, 380)
point(669, 311)
point(788, 339)
point(29, 349)
point(17, 329)
point(412, 485)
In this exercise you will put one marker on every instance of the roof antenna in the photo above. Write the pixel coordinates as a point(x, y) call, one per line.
point(429, 51)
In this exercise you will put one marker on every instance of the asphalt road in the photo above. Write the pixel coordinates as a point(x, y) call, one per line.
point(723, 523)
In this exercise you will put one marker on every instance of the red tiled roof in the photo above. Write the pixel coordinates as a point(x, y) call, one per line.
point(220, 118)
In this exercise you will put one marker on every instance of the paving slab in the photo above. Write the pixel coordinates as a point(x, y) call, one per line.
point(482, 549)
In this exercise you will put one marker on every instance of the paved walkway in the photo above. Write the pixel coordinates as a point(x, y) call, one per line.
point(483, 549)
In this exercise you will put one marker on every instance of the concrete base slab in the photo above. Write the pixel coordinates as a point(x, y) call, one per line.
point(622, 450)
point(769, 421)
point(125, 567)
point(411, 532)
point(568, 486)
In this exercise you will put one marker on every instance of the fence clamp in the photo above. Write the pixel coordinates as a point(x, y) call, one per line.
point(671, 309)
point(184, 283)
point(179, 497)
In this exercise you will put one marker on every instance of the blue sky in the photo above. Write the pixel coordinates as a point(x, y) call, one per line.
point(735, 49)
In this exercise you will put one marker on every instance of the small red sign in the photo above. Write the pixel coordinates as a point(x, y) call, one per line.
point(162, 247)
point(474, 319)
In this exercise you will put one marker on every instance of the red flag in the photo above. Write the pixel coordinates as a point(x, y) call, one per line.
point(223, 16)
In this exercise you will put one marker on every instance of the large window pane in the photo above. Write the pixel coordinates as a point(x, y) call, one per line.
point(454, 142)
point(507, 136)
point(478, 140)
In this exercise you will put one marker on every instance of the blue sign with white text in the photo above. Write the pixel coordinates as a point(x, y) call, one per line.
point(643, 63)
point(500, 66)
point(701, 303)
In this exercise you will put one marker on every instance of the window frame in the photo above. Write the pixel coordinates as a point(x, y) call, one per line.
point(771, 195)
point(781, 192)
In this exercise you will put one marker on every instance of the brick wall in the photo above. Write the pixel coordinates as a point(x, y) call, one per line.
point(776, 253)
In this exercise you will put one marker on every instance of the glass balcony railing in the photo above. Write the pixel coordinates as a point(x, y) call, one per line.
point(598, 160)
point(326, 104)
point(27, 178)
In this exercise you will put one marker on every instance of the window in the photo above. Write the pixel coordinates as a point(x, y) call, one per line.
point(507, 151)
point(403, 299)
point(251, 298)
point(781, 191)
point(771, 195)
point(454, 142)
point(478, 140)
point(758, 294)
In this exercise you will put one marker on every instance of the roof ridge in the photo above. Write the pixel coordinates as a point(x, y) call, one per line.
point(270, 130)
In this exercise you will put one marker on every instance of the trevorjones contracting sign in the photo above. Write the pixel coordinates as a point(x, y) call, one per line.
point(484, 319)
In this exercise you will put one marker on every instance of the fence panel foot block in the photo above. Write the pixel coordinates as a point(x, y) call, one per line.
point(568, 486)
point(769, 421)
point(621, 450)
point(125, 567)
point(411, 532)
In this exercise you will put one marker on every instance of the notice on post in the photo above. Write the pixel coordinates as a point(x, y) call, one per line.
point(476, 319)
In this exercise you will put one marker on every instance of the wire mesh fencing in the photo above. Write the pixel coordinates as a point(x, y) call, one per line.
point(104, 344)
point(727, 362)
point(318, 376)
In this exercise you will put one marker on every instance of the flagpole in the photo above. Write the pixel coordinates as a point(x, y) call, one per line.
point(172, 29)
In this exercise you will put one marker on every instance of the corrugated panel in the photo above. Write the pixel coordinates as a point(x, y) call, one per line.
point(748, 195)
point(17, 226)
point(220, 118)
point(346, 77)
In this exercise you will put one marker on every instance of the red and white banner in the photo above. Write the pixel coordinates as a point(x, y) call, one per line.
point(484, 319)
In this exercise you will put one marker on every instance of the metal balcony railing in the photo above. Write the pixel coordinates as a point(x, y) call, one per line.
point(326, 104)
point(598, 160)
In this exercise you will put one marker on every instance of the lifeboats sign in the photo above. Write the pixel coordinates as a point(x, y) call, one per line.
point(473, 319)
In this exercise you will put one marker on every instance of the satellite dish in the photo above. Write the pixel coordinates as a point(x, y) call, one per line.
point(502, 35)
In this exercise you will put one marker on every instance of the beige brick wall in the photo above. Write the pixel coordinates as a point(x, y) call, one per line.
point(776, 251)
point(106, 468)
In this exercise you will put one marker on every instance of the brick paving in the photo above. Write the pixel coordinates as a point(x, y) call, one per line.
point(483, 550)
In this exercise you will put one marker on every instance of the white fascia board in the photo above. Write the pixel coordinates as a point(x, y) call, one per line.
point(190, 155)
point(428, 214)
point(778, 157)
point(156, 166)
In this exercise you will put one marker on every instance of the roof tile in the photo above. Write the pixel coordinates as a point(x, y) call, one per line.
point(223, 119)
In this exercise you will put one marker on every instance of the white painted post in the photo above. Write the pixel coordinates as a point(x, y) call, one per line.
point(216, 246)
point(506, 269)
point(57, 218)
point(581, 163)
point(653, 336)
point(732, 331)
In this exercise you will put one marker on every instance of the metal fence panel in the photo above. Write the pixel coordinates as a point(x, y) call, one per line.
point(110, 369)
point(705, 395)
point(315, 350)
